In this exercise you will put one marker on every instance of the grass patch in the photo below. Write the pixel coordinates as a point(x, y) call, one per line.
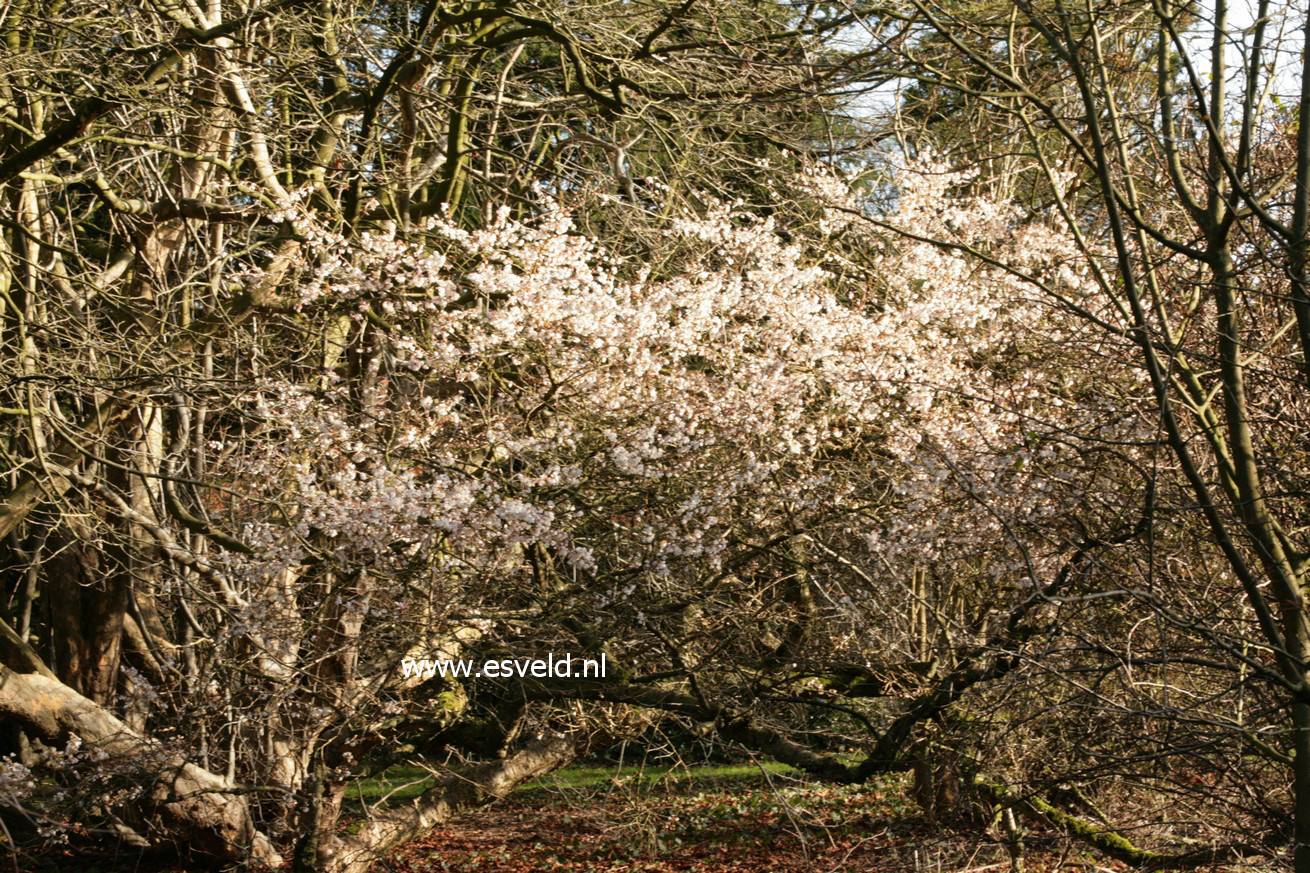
point(397, 784)
point(403, 782)
point(628, 775)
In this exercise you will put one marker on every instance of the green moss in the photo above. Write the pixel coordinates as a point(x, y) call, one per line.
point(451, 702)
point(1109, 842)
point(1113, 844)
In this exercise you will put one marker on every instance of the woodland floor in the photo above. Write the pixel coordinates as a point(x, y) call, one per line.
point(716, 819)
point(735, 819)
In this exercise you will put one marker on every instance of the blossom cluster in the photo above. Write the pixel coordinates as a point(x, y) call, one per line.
point(532, 394)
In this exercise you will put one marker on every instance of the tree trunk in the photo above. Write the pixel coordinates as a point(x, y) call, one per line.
point(1301, 787)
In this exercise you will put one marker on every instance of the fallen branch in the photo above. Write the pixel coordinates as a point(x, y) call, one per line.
point(453, 794)
point(182, 807)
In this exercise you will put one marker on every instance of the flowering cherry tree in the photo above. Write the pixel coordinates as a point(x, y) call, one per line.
point(729, 469)
point(780, 465)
